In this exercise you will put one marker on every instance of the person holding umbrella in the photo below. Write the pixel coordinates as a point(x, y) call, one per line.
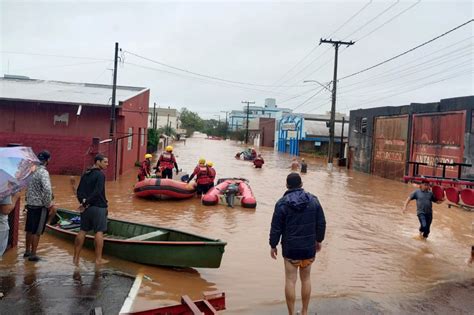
point(17, 164)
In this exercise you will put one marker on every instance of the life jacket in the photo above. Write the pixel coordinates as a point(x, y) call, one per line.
point(145, 169)
point(202, 175)
point(212, 174)
point(167, 160)
point(258, 162)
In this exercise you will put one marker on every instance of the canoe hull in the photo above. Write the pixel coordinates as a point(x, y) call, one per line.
point(198, 253)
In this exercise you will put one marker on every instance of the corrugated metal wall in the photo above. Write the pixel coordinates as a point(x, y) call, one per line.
point(390, 146)
point(438, 138)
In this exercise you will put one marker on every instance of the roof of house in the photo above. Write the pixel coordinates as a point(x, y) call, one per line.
point(319, 128)
point(26, 89)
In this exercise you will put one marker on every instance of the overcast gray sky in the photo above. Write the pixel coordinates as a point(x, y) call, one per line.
point(261, 44)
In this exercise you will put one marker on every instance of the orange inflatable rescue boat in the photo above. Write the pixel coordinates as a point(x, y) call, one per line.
point(164, 188)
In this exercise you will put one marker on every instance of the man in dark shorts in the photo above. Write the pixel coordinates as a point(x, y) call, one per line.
point(424, 209)
point(299, 220)
point(91, 196)
point(39, 204)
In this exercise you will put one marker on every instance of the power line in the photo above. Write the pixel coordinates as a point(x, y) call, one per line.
point(396, 70)
point(314, 49)
point(414, 80)
point(51, 55)
point(207, 81)
point(351, 18)
point(390, 20)
point(411, 70)
point(199, 74)
point(374, 30)
point(373, 19)
point(460, 74)
point(60, 66)
point(406, 52)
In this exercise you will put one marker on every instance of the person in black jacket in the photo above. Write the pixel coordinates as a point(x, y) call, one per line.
point(91, 196)
point(299, 220)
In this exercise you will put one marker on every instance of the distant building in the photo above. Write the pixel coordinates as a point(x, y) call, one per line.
point(262, 132)
point(384, 140)
point(238, 118)
point(72, 121)
point(297, 133)
point(165, 117)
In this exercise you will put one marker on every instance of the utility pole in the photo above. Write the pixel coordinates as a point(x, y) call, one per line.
point(333, 104)
point(167, 125)
point(114, 91)
point(154, 116)
point(247, 127)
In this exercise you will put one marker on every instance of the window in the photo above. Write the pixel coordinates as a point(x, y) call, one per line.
point(130, 139)
point(142, 136)
point(363, 125)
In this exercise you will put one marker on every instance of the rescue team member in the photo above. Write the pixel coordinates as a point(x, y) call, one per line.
point(258, 162)
point(166, 163)
point(203, 179)
point(145, 168)
point(212, 173)
point(253, 154)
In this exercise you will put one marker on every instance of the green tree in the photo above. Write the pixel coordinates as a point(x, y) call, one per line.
point(152, 140)
point(190, 121)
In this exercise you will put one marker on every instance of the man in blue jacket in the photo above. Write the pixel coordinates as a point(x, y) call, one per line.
point(299, 220)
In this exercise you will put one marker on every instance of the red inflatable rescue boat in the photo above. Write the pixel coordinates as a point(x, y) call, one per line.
point(230, 191)
point(164, 188)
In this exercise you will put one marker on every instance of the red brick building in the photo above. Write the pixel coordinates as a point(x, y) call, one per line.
point(72, 119)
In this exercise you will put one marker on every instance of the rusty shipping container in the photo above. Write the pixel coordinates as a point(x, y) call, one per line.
point(390, 146)
point(438, 138)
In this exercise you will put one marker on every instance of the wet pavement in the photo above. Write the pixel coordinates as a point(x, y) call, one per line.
point(370, 261)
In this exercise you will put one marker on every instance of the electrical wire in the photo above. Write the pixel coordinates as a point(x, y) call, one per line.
point(460, 74)
point(396, 70)
point(199, 74)
point(223, 84)
point(51, 55)
point(314, 49)
point(406, 52)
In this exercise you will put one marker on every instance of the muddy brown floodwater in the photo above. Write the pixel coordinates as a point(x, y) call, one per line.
point(370, 261)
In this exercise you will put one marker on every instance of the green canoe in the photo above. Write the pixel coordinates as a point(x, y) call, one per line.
point(146, 244)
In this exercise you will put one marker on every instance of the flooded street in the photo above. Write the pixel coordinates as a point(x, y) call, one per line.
point(369, 258)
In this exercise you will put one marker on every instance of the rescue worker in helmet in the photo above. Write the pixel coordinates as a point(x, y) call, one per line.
point(166, 162)
point(212, 173)
point(145, 168)
point(203, 178)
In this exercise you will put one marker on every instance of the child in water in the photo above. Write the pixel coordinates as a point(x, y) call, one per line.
point(424, 210)
point(304, 166)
